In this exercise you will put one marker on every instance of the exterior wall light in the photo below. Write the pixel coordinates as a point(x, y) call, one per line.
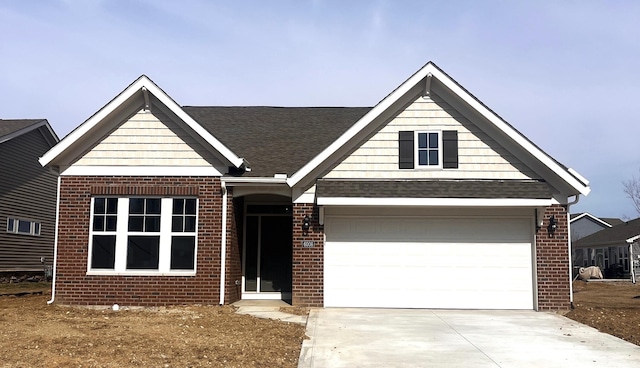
point(553, 225)
point(306, 223)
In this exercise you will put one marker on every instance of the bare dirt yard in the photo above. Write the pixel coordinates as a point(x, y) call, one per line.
point(611, 307)
point(34, 334)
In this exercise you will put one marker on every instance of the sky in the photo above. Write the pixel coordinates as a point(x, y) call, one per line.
point(563, 73)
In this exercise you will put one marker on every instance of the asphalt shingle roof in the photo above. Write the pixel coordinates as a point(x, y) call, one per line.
point(616, 234)
point(276, 140)
point(8, 126)
point(433, 188)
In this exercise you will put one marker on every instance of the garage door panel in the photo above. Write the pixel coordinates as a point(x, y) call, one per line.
point(475, 266)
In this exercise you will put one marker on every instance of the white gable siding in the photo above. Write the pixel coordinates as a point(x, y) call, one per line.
point(480, 157)
point(148, 139)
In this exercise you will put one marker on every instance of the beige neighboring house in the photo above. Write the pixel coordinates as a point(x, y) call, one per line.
point(27, 196)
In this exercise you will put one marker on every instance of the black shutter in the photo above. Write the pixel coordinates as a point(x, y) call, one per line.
point(450, 149)
point(405, 152)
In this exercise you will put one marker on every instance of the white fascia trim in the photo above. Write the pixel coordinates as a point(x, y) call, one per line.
point(386, 103)
point(364, 121)
point(587, 214)
point(633, 239)
point(135, 87)
point(305, 198)
point(569, 178)
point(252, 180)
point(139, 273)
point(436, 202)
point(140, 171)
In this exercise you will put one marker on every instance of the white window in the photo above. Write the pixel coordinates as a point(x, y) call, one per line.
point(143, 235)
point(25, 227)
point(428, 152)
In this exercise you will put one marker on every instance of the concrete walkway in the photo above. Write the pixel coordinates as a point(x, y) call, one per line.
point(453, 338)
point(268, 309)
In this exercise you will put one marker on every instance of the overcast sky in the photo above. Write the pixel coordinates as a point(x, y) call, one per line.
point(564, 73)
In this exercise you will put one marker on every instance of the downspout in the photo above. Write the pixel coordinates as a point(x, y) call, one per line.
point(569, 247)
point(223, 241)
point(55, 245)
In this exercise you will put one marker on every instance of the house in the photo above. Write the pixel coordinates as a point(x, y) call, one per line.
point(27, 197)
point(610, 249)
point(583, 224)
point(427, 200)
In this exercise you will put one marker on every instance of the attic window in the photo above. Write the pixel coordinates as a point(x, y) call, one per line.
point(24, 227)
point(428, 149)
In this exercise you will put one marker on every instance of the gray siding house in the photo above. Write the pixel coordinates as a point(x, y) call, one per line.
point(27, 196)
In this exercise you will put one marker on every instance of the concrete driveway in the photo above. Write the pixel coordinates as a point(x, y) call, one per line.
point(342, 337)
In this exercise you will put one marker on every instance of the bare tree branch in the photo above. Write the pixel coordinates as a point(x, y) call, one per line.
point(632, 191)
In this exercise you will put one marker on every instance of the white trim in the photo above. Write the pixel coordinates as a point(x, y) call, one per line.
point(587, 214)
point(404, 88)
point(122, 233)
point(252, 180)
point(133, 89)
point(55, 245)
point(140, 171)
point(305, 198)
point(462, 202)
point(223, 243)
point(633, 239)
point(416, 150)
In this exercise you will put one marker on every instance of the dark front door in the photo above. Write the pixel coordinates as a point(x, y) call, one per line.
point(268, 250)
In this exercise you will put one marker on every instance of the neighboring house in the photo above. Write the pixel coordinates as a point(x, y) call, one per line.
point(583, 224)
point(427, 200)
point(27, 196)
point(609, 249)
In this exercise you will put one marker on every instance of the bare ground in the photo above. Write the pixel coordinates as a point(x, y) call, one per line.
point(611, 307)
point(34, 334)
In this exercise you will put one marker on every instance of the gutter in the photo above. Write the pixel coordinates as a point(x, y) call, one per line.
point(569, 248)
point(223, 241)
point(55, 245)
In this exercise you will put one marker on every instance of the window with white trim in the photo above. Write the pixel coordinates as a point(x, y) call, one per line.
point(428, 150)
point(23, 227)
point(143, 235)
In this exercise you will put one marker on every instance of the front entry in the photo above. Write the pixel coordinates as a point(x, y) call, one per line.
point(267, 252)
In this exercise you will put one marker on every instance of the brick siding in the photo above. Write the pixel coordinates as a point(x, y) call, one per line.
point(308, 263)
point(552, 262)
point(74, 286)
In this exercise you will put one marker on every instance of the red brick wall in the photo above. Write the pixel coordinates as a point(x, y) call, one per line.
point(74, 286)
point(308, 263)
point(552, 262)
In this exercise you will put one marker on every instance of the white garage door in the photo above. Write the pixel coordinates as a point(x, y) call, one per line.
point(424, 262)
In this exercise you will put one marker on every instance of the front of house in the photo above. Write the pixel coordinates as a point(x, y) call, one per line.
point(427, 200)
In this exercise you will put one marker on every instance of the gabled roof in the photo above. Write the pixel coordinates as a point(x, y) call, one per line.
point(11, 128)
point(577, 183)
point(276, 140)
point(139, 87)
point(600, 221)
point(616, 235)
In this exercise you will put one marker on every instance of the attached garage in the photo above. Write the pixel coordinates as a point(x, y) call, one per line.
point(429, 260)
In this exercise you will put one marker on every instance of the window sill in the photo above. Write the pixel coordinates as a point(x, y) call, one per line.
point(140, 273)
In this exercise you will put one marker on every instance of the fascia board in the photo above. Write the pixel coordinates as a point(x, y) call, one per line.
point(633, 239)
point(435, 202)
point(595, 219)
point(575, 181)
point(122, 98)
point(361, 124)
point(517, 137)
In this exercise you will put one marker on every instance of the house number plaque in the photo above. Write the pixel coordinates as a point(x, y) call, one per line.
point(308, 244)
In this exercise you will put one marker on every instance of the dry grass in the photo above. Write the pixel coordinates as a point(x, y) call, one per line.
point(34, 334)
